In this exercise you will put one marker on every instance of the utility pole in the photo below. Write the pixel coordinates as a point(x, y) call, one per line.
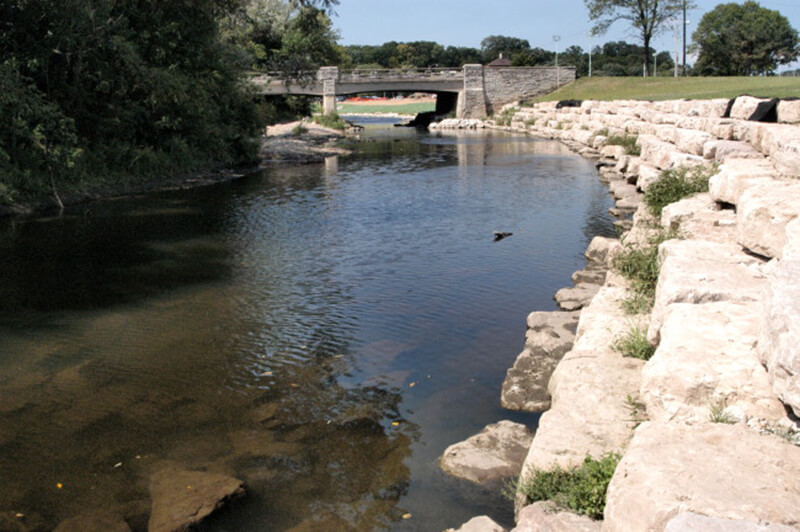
point(684, 37)
point(557, 38)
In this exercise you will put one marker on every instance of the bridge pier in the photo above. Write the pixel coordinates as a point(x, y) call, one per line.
point(329, 77)
point(472, 98)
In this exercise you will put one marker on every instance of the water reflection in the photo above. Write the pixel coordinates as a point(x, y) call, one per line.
point(322, 332)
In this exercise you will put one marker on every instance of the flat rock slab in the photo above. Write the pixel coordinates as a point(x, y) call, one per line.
point(550, 335)
point(722, 150)
point(482, 523)
point(777, 345)
point(699, 217)
point(692, 522)
point(602, 250)
point(708, 355)
point(544, 517)
point(576, 297)
point(717, 470)
point(184, 498)
point(699, 271)
point(491, 455)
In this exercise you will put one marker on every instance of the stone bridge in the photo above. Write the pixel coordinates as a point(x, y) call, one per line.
point(473, 91)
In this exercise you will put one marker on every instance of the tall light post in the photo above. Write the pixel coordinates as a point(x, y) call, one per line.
point(684, 37)
point(590, 54)
point(557, 38)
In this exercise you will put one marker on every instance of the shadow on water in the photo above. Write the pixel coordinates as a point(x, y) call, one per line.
point(322, 332)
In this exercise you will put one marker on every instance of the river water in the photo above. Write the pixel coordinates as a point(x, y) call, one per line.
point(321, 332)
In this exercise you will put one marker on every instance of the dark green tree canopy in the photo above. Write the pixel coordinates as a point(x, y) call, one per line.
point(647, 17)
point(494, 45)
point(743, 39)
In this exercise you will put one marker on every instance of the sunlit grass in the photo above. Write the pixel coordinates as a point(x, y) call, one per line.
point(670, 88)
point(400, 108)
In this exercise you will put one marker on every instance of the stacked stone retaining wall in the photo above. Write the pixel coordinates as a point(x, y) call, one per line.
point(725, 323)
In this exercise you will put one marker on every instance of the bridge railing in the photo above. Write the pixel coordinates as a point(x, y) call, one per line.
point(359, 74)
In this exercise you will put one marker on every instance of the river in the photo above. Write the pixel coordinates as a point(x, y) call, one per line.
point(321, 331)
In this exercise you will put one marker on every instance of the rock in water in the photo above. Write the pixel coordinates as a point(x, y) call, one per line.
point(494, 453)
point(500, 236)
point(184, 498)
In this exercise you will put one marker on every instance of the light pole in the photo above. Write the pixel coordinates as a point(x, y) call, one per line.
point(590, 54)
point(557, 38)
point(655, 64)
point(684, 37)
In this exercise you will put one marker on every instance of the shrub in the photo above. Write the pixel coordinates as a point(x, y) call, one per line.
point(626, 141)
point(676, 184)
point(331, 120)
point(530, 122)
point(581, 489)
point(634, 344)
point(299, 129)
point(506, 117)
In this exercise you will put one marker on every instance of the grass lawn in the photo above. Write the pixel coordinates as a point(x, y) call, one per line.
point(400, 108)
point(669, 88)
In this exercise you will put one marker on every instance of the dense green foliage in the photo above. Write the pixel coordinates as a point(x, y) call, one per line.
point(331, 120)
point(582, 489)
point(419, 54)
point(676, 184)
point(626, 141)
point(647, 17)
point(744, 39)
point(105, 91)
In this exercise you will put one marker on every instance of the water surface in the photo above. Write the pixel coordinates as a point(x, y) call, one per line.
point(322, 331)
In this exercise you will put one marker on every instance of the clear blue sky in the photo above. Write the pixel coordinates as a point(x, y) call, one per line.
point(467, 22)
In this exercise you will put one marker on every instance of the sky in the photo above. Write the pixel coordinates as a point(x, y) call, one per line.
point(467, 22)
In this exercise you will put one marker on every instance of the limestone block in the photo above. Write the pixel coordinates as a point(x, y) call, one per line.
point(598, 379)
point(584, 136)
point(493, 454)
point(706, 108)
point(735, 175)
point(763, 210)
point(744, 106)
point(722, 128)
point(576, 297)
point(549, 336)
point(782, 144)
point(602, 250)
point(482, 523)
point(629, 202)
point(647, 176)
point(708, 354)
point(613, 152)
point(599, 141)
point(720, 471)
point(665, 133)
point(696, 123)
point(544, 517)
point(791, 251)
point(678, 159)
point(622, 189)
point(697, 271)
point(789, 111)
point(655, 151)
point(632, 169)
point(691, 141)
point(699, 217)
point(722, 150)
point(692, 522)
point(778, 343)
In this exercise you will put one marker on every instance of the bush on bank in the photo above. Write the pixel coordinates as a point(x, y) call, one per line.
point(676, 184)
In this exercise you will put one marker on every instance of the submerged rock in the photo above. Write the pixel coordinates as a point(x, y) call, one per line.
point(494, 453)
point(550, 335)
point(184, 498)
point(95, 522)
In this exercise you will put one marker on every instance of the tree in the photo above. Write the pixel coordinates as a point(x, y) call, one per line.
point(494, 45)
point(646, 16)
point(743, 39)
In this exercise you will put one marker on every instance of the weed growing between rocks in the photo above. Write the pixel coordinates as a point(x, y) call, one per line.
point(640, 266)
point(676, 184)
point(331, 120)
point(581, 490)
point(506, 116)
point(718, 413)
point(626, 141)
point(634, 344)
point(637, 409)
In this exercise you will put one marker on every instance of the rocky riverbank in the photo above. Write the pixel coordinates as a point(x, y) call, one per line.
point(707, 426)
